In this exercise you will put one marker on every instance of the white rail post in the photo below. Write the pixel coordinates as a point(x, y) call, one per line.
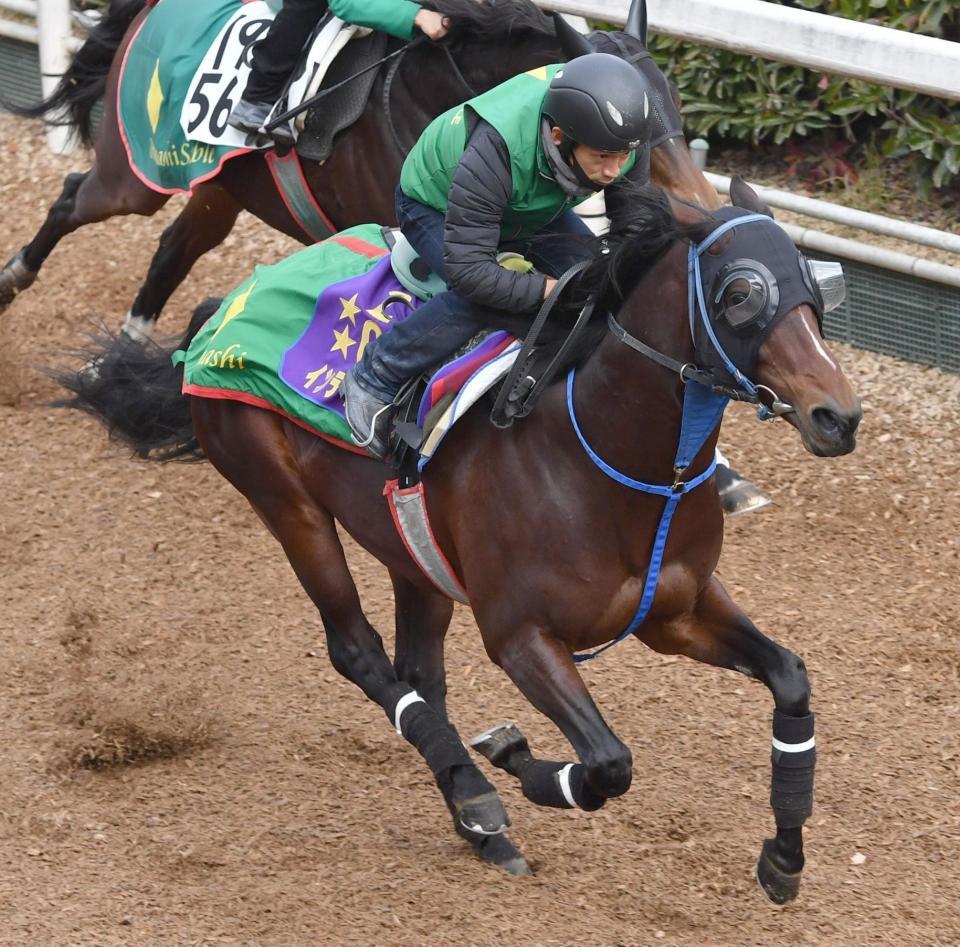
point(54, 30)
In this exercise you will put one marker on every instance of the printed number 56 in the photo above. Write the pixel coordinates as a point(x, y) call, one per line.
point(222, 109)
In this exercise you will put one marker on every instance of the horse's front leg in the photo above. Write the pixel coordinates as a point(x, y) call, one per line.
point(718, 633)
point(541, 666)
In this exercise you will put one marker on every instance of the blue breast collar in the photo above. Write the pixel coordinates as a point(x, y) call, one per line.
point(702, 410)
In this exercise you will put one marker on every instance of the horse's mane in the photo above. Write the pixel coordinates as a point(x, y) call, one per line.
point(488, 20)
point(633, 246)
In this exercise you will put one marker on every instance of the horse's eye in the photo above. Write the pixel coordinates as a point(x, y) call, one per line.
point(736, 293)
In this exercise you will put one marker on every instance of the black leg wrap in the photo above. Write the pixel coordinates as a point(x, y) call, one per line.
point(541, 782)
point(435, 740)
point(791, 789)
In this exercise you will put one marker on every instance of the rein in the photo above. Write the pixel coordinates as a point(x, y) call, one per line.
point(323, 93)
point(391, 75)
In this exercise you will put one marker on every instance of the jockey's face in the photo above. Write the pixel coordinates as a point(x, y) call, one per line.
point(602, 167)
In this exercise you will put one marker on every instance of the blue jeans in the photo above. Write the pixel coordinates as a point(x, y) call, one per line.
point(445, 323)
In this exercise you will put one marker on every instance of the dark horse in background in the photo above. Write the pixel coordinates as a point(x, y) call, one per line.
point(489, 43)
point(573, 582)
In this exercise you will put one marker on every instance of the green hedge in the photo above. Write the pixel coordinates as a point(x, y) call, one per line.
point(731, 96)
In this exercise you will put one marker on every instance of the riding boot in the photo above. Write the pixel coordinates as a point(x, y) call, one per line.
point(273, 60)
point(367, 416)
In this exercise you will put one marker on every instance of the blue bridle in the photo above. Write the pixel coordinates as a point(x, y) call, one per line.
point(703, 406)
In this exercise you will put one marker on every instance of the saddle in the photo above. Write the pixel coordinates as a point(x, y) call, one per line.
point(339, 109)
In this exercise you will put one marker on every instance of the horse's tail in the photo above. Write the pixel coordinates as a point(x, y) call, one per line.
point(133, 389)
point(83, 84)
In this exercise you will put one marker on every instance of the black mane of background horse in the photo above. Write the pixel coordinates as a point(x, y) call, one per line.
point(552, 552)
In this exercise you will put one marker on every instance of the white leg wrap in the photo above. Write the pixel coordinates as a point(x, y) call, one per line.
point(794, 747)
point(139, 328)
point(412, 698)
point(564, 779)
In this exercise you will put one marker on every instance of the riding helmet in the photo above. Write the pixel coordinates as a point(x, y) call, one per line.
point(601, 101)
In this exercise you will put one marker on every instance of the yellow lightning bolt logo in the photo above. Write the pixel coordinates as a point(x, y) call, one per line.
point(154, 98)
point(234, 310)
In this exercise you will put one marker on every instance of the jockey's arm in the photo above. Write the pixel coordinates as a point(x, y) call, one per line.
point(478, 198)
point(397, 17)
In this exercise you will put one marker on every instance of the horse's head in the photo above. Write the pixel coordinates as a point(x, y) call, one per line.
point(757, 322)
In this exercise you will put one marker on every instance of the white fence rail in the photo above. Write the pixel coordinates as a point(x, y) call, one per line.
point(53, 35)
point(817, 41)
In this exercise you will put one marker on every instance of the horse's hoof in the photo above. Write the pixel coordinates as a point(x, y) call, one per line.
point(500, 851)
point(499, 743)
point(741, 496)
point(779, 886)
point(482, 815)
point(14, 277)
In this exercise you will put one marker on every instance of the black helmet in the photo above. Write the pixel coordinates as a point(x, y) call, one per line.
point(600, 101)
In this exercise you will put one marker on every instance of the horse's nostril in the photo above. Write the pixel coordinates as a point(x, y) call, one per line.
point(828, 422)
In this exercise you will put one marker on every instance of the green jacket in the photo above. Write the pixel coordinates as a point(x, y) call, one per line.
point(391, 16)
point(514, 109)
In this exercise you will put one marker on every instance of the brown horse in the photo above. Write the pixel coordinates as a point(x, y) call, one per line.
point(490, 43)
point(588, 571)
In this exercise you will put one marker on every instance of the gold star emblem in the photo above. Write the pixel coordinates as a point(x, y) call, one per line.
point(343, 343)
point(349, 308)
point(539, 73)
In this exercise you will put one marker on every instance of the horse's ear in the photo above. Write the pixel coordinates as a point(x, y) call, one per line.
point(637, 21)
point(692, 217)
point(742, 195)
point(572, 43)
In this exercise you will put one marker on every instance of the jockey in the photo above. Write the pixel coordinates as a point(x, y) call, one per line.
point(275, 57)
point(490, 175)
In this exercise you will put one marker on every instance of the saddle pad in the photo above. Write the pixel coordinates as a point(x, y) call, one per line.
point(175, 96)
point(157, 74)
point(286, 337)
point(487, 364)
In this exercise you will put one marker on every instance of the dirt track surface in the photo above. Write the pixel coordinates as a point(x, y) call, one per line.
point(146, 610)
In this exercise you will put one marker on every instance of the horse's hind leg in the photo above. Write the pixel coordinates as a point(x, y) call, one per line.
point(718, 633)
point(202, 225)
point(262, 455)
point(85, 199)
point(423, 618)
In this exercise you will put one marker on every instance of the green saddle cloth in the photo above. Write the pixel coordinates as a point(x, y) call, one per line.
point(158, 68)
point(285, 338)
